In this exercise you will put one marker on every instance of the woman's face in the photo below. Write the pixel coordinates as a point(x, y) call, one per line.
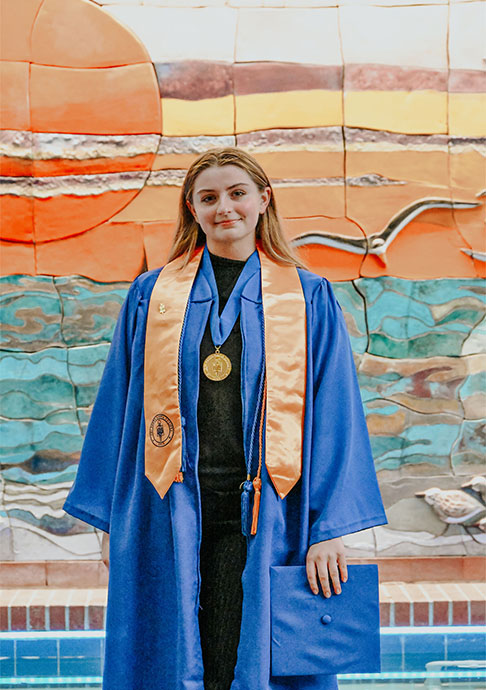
point(227, 203)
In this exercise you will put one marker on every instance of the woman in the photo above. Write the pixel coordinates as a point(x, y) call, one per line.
point(228, 435)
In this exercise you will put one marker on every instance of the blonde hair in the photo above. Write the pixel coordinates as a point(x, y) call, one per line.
point(189, 235)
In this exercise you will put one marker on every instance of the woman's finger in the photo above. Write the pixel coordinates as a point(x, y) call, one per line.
point(343, 567)
point(324, 577)
point(310, 568)
point(334, 573)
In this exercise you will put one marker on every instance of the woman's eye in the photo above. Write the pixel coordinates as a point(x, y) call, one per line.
point(239, 192)
point(207, 199)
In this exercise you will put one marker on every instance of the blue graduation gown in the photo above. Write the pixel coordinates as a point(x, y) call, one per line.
point(152, 630)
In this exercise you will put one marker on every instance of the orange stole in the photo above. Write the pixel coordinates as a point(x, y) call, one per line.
point(285, 358)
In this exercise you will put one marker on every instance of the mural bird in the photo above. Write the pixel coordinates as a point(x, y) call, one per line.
point(457, 506)
point(476, 487)
point(379, 243)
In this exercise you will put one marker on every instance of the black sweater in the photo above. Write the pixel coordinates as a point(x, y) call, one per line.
point(221, 456)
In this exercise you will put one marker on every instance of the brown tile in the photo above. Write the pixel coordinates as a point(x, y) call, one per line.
point(76, 618)
point(96, 615)
point(478, 612)
point(268, 77)
point(420, 613)
point(441, 613)
point(3, 618)
point(474, 568)
point(437, 569)
point(37, 617)
point(72, 573)
point(57, 617)
point(363, 77)
point(385, 613)
point(402, 613)
point(28, 574)
point(183, 79)
point(460, 613)
point(18, 617)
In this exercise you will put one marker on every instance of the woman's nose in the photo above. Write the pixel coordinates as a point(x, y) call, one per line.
point(224, 206)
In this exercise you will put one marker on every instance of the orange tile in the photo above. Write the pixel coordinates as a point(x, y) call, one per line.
point(422, 167)
point(16, 216)
point(81, 34)
point(107, 253)
point(16, 257)
point(117, 100)
point(423, 251)
point(15, 167)
point(302, 201)
point(157, 239)
point(14, 103)
point(153, 203)
point(294, 227)
point(301, 164)
point(331, 263)
point(67, 215)
point(16, 21)
point(467, 170)
point(173, 160)
point(65, 166)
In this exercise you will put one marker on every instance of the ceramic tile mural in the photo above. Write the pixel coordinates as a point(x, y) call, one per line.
point(368, 117)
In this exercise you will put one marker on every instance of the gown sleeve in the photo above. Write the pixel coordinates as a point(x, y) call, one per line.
point(91, 494)
point(344, 496)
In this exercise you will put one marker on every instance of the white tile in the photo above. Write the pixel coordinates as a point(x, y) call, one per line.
point(181, 33)
point(405, 36)
point(305, 36)
point(467, 36)
point(391, 3)
point(185, 3)
point(119, 2)
point(245, 3)
point(312, 3)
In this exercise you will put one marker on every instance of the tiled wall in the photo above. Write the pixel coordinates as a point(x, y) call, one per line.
point(367, 117)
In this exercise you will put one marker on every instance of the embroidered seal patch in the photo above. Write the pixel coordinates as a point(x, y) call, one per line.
point(161, 430)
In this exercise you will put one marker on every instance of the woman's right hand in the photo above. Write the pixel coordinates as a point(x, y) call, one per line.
point(105, 549)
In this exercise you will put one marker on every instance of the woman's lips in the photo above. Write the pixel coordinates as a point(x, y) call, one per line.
point(225, 223)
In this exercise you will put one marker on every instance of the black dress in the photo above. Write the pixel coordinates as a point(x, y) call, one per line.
point(221, 470)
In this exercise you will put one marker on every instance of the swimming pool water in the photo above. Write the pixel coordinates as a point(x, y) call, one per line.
point(426, 658)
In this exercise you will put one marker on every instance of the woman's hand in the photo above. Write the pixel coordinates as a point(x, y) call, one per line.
point(329, 559)
point(105, 549)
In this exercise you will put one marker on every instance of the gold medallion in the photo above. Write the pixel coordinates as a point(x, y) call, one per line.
point(217, 366)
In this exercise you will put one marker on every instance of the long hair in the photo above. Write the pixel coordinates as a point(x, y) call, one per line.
point(189, 235)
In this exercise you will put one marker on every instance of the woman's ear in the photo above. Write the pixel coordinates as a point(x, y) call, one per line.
point(266, 196)
point(191, 209)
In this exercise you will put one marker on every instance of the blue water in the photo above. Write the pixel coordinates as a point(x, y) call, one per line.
point(430, 658)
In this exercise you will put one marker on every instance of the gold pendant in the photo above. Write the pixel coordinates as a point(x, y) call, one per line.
point(217, 366)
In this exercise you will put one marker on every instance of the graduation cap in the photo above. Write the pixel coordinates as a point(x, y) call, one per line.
point(313, 635)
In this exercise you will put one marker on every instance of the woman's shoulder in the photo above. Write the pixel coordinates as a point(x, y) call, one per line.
point(313, 283)
point(144, 283)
